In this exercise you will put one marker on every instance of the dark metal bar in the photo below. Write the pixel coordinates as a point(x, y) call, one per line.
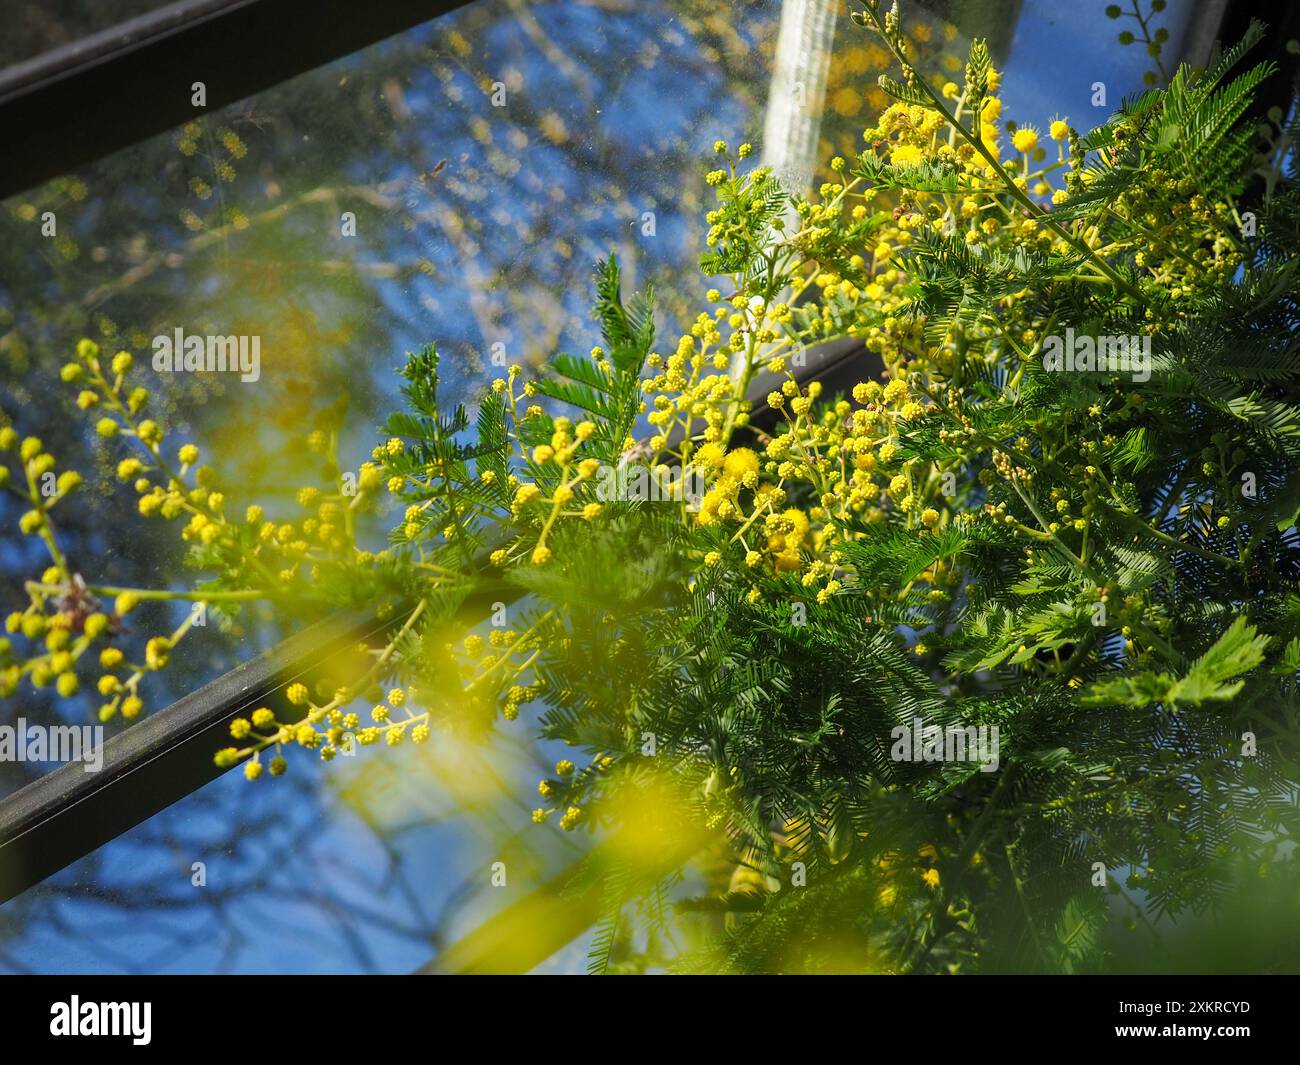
point(68, 813)
point(837, 364)
point(80, 102)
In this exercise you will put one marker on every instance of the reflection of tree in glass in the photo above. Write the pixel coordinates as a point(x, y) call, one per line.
point(473, 226)
point(345, 874)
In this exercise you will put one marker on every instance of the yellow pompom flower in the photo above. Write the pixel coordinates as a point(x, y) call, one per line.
point(1025, 140)
point(740, 461)
point(156, 652)
point(906, 155)
point(710, 455)
point(128, 468)
point(896, 390)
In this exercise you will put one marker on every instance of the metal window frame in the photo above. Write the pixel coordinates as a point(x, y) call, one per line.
point(119, 87)
point(68, 107)
point(69, 812)
point(83, 101)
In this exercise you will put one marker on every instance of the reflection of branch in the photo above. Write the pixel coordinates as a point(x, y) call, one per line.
point(383, 899)
point(473, 278)
point(557, 56)
point(202, 241)
point(58, 909)
point(343, 267)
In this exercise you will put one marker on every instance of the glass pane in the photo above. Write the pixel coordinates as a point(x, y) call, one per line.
point(362, 869)
point(342, 218)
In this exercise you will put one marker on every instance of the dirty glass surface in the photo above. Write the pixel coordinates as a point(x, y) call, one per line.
point(31, 29)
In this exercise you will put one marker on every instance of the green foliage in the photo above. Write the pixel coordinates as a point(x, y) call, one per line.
point(1211, 676)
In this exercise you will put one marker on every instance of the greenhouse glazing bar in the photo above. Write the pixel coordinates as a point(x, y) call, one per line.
point(49, 824)
point(80, 102)
point(70, 812)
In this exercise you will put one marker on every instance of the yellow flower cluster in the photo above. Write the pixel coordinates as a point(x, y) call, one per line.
point(558, 487)
point(787, 499)
point(270, 553)
point(322, 720)
point(260, 556)
point(844, 457)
